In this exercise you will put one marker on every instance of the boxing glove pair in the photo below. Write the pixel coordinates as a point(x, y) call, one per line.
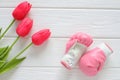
point(90, 62)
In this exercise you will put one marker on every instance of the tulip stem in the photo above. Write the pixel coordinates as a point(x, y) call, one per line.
point(7, 29)
point(14, 42)
point(23, 50)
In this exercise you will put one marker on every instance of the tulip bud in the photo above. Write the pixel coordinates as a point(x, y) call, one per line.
point(41, 36)
point(24, 27)
point(21, 10)
point(92, 61)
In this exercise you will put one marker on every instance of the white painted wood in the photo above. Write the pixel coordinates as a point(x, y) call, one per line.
point(64, 22)
point(36, 73)
point(50, 53)
point(111, 4)
point(100, 18)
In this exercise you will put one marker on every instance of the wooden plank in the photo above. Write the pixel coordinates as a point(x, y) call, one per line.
point(36, 73)
point(63, 22)
point(50, 53)
point(100, 18)
point(107, 4)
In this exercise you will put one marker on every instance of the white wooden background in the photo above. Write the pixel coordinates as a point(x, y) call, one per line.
point(100, 18)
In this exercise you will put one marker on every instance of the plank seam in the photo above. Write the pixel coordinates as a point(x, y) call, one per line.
point(69, 8)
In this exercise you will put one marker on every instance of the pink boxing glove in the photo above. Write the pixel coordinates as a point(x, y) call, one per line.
point(92, 61)
point(75, 47)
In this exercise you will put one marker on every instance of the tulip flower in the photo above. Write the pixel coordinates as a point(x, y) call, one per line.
point(24, 27)
point(37, 39)
point(21, 10)
point(19, 13)
point(22, 30)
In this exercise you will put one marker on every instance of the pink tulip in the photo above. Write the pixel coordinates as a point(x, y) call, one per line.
point(24, 27)
point(19, 13)
point(92, 61)
point(41, 36)
point(21, 10)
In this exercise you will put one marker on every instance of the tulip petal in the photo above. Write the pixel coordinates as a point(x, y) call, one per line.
point(41, 36)
point(24, 27)
point(21, 10)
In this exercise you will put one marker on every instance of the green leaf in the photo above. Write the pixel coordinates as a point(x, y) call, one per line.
point(11, 64)
point(2, 50)
point(4, 55)
point(2, 63)
point(0, 30)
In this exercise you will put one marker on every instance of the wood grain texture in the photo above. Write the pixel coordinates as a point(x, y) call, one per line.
point(64, 22)
point(36, 73)
point(100, 4)
point(50, 53)
point(100, 18)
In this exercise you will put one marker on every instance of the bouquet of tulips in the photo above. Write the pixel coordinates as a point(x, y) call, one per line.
point(23, 28)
